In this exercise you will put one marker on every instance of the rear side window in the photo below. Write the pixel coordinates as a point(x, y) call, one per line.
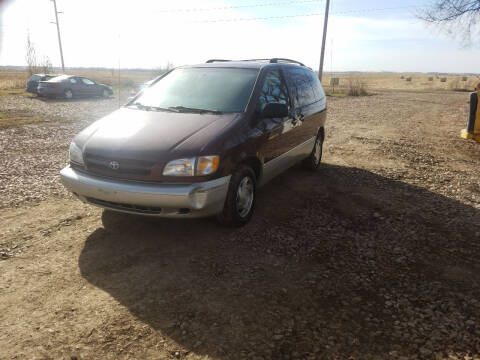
point(302, 82)
point(34, 78)
point(274, 90)
point(59, 78)
point(316, 85)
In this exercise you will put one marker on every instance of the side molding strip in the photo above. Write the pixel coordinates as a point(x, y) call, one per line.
point(286, 160)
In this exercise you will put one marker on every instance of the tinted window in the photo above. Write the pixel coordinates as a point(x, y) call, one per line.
point(209, 88)
point(274, 90)
point(302, 83)
point(87, 81)
point(34, 78)
point(73, 80)
point(59, 78)
point(316, 85)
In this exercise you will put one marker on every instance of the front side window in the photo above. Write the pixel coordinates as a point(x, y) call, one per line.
point(87, 81)
point(73, 80)
point(208, 88)
point(274, 90)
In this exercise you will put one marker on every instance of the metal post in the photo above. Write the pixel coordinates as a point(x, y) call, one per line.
point(322, 56)
point(58, 33)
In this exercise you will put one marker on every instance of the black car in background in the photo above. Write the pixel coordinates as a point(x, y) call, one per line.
point(70, 86)
point(32, 82)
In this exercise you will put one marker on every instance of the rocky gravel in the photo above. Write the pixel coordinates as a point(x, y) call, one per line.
point(33, 155)
point(375, 256)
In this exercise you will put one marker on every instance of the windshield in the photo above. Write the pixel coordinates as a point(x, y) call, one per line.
point(212, 89)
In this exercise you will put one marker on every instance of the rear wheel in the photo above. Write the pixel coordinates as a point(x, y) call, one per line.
point(240, 201)
point(315, 157)
point(68, 94)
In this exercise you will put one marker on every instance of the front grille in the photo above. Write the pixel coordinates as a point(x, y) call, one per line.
point(141, 209)
point(101, 164)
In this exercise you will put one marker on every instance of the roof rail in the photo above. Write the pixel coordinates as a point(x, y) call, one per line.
point(276, 60)
point(216, 60)
point(272, 60)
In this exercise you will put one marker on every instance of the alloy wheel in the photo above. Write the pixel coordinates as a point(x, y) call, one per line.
point(245, 194)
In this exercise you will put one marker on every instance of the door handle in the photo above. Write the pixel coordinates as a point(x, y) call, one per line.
point(296, 119)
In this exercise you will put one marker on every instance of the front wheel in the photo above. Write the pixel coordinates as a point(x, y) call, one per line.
point(313, 160)
point(240, 201)
point(105, 93)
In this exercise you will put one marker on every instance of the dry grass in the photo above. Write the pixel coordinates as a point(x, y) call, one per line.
point(356, 87)
point(17, 79)
point(394, 81)
point(129, 79)
point(17, 118)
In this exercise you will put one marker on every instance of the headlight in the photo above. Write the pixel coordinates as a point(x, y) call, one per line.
point(76, 155)
point(180, 167)
point(202, 165)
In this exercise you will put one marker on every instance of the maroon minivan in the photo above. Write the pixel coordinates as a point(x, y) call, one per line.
point(201, 139)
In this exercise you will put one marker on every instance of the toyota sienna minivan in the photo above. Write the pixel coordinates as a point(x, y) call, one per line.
point(200, 140)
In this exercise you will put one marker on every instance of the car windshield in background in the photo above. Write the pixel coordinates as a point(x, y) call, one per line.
point(196, 89)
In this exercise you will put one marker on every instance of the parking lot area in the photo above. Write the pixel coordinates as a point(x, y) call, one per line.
point(375, 256)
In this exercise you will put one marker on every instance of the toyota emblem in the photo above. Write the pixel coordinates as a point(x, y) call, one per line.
point(114, 165)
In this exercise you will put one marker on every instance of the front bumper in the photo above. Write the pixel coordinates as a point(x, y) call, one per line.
point(163, 200)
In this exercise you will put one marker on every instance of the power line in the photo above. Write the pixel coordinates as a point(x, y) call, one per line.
point(305, 15)
point(276, 3)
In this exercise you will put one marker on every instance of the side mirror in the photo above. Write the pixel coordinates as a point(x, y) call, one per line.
point(275, 110)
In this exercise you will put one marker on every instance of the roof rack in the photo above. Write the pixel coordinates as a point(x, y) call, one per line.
point(272, 60)
point(216, 60)
point(276, 60)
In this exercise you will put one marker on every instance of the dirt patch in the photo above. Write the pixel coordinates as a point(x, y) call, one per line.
point(17, 118)
point(374, 256)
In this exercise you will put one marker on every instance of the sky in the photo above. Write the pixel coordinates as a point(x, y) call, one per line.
point(363, 35)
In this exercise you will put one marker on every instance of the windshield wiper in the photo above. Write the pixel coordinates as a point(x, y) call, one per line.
point(152, 108)
point(185, 109)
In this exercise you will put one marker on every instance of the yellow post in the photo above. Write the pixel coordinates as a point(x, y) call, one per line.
point(473, 125)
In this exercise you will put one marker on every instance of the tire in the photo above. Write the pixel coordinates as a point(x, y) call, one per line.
point(241, 197)
point(315, 158)
point(105, 93)
point(68, 94)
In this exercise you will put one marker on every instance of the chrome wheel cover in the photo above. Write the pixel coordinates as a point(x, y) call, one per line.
point(245, 194)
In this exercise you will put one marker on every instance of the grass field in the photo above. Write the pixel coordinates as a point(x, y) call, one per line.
point(398, 81)
point(16, 79)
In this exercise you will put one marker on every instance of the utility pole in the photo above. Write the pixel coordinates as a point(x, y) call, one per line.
point(58, 33)
point(322, 55)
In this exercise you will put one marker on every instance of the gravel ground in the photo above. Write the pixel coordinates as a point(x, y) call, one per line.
point(33, 155)
point(375, 256)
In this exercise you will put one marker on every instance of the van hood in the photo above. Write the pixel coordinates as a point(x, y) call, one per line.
point(154, 136)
